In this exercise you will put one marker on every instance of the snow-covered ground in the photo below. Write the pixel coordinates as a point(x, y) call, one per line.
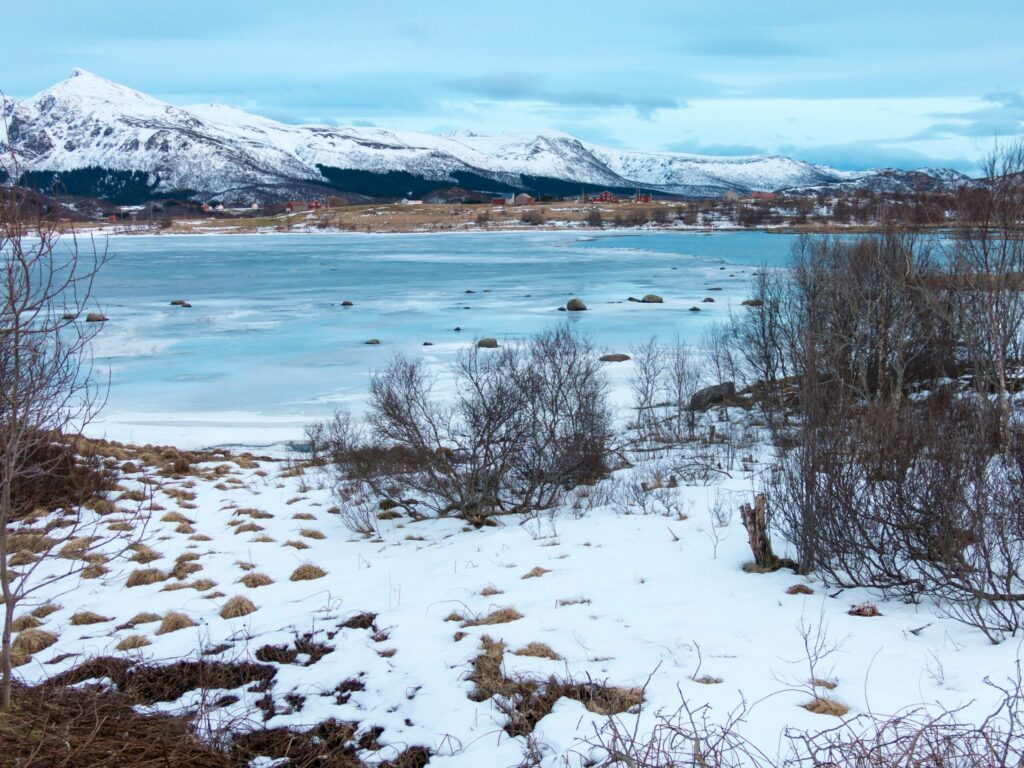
point(628, 596)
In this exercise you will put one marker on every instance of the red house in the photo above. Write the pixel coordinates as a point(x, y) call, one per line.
point(606, 197)
point(641, 198)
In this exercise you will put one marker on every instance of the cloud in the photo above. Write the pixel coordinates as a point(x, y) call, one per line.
point(528, 86)
point(1001, 115)
point(865, 155)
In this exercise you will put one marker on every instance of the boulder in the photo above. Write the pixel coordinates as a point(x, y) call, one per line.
point(178, 302)
point(752, 303)
point(95, 317)
point(704, 398)
point(694, 309)
point(575, 305)
point(650, 298)
point(470, 290)
point(347, 304)
point(428, 343)
point(372, 341)
point(615, 357)
point(457, 328)
point(487, 343)
point(708, 300)
point(185, 305)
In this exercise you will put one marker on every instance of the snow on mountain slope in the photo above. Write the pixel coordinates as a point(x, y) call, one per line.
point(214, 150)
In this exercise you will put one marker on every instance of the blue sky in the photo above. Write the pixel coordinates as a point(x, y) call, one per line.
point(855, 85)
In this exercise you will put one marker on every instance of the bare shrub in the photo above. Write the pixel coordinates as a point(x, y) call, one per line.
point(528, 423)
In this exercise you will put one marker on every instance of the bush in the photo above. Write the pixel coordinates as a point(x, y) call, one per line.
point(528, 423)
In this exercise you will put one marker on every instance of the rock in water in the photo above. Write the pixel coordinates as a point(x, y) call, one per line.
point(487, 343)
point(372, 341)
point(178, 303)
point(615, 357)
point(752, 303)
point(575, 305)
point(704, 398)
point(346, 303)
point(95, 317)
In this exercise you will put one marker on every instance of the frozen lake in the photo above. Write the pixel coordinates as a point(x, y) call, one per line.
point(266, 346)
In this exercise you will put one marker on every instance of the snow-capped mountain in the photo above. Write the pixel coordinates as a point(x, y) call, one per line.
point(113, 137)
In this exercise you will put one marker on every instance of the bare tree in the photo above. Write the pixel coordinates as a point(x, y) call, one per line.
point(47, 395)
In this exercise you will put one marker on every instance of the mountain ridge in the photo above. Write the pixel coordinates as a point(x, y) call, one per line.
point(218, 151)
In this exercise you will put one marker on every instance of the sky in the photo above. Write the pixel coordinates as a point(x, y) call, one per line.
point(898, 83)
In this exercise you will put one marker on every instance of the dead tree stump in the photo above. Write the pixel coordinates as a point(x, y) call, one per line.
point(754, 520)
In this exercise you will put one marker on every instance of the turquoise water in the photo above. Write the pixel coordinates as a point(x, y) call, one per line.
point(267, 342)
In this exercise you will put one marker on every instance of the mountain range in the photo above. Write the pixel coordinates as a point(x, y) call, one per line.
point(100, 139)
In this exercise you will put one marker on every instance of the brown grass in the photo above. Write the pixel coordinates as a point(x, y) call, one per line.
point(94, 572)
point(30, 541)
point(22, 557)
point(28, 621)
point(303, 516)
point(45, 610)
point(248, 528)
point(500, 616)
point(490, 590)
point(799, 589)
point(144, 576)
point(81, 618)
point(533, 573)
point(264, 539)
point(143, 554)
point(174, 621)
point(255, 579)
point(32, 641)
point(572, 601)
point(538, 651)
point(297, 544)
point(132, 642)
point(822, 705)
point(237, 607)
point(120, 525)
point(311, 533)
point(140, 618)
point(185, 529)
point(176, 517)
point(308, 572)
point(76, 548)
point(199, 537)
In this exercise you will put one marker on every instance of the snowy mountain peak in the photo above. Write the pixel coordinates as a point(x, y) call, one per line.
point(210, 151)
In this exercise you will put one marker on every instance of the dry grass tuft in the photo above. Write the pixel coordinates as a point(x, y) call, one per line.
point(237, 607)
point(81, 618)
point(487, 673)
point(141, 618)
point(30, 541)
point(538, 651)
point(185, 529)
point(22, 623)
point(490, 590)
point(799, 589)
point(132, 642)
point(45, 610)
point(303, 516)
point(245, 566)
point(828, 685)
point(308, 572)
point(76, 548)
point(143, 554)
point(264, 539)
point(535, 572)
point(22, 557)
point(311, 533)
point(144, 576)
point(32, 641)
point(297, 544)
point(185, 567)
point(120, 525)
point(255, 579)
point(200, 537)
point(94, 571)
point(176, 517)
point(500, 616)
point(174, 621)
point(822, 705)
point(248, 528)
